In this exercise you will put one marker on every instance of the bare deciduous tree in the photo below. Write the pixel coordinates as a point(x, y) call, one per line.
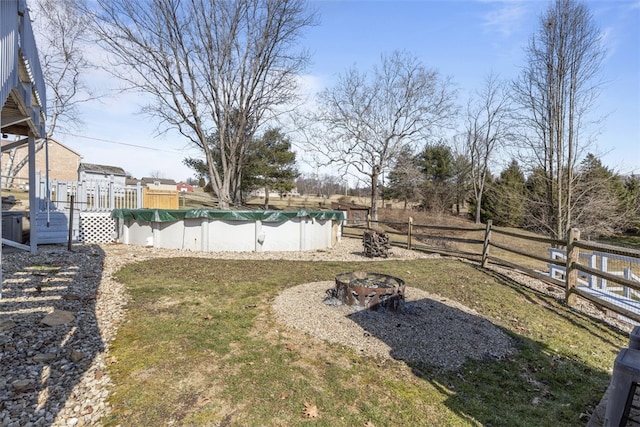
point(61, 30)
point(211, 67)
point(364, 121)
point(556, 91)
point(487, 129)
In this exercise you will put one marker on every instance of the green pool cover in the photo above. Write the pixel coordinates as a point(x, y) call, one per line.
point(167, 215)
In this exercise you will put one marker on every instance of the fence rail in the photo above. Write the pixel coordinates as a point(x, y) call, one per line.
point(580, 267)
point(90, 196)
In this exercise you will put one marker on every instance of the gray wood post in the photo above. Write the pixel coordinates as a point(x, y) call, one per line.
point(33, 202)
point(573, 257)
point(486, 244)
point(70, 242)
point(409, 233)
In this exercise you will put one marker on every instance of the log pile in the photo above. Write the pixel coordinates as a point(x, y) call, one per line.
point(376, 244)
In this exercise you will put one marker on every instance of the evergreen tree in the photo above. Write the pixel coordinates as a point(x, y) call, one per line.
point(504, 203)
point(598, 201)
point(405, 178)
point(461, 180)
point(436, 162)
point(631, 203)
point(537, 212)
point(270, 164)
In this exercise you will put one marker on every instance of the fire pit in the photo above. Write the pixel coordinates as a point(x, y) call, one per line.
point(370, 290)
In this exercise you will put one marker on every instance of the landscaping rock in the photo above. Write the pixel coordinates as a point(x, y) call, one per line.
point(76, 356)
point(44, 357)
point(58, 317)
point(20, 386)
point(5, 325)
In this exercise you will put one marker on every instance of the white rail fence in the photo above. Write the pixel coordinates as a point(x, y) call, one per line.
point(89, 196)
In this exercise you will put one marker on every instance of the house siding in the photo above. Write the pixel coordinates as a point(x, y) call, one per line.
point(63, 163)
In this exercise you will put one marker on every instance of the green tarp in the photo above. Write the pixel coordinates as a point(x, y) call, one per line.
point(167, 215)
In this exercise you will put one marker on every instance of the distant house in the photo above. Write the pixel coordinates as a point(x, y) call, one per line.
point(104, 173)
point(63, 163)
point(159, 184)
point(260, 192)
point(184, 187)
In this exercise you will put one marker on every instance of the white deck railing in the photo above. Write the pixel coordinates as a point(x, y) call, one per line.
point(89, 196)
point(601, 261)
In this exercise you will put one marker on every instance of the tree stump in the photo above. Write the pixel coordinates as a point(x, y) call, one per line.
point(376, 244)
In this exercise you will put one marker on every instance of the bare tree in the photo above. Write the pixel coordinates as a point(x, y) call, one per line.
point(211, 67)
point(62, 30)
point(487, 129)
point(556, 91)
point(364, 122)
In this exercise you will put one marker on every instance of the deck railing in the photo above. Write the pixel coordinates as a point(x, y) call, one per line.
point(89, 196)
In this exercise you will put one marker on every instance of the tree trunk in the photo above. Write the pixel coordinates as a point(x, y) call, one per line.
point(9, 175)
point(478, 201)
point(374, 194)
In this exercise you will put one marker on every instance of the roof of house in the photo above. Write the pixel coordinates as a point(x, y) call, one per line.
point(162, 181)
point(55, 141)
point(102, 169)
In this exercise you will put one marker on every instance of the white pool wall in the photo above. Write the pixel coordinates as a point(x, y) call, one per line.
point(216, 235)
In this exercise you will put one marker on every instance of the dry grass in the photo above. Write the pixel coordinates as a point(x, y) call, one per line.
point(467, 240)
point(201, 347)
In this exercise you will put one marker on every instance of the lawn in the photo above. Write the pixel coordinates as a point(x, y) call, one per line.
point(201, 347)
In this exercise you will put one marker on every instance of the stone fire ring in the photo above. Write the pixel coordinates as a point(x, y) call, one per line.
point(370, 290)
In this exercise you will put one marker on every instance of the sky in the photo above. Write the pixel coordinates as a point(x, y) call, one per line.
point(461, 39)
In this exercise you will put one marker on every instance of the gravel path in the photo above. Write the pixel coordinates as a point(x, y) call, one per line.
point(56, 375)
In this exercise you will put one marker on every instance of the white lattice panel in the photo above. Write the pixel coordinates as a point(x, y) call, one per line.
point(97, 227)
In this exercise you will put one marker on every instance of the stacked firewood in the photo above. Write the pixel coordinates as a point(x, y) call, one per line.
point(376, 243)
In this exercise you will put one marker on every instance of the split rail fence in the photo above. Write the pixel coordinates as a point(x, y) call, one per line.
point(608, 276)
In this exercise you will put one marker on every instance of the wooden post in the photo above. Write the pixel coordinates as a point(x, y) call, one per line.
point(486, 244)
point(573, 257)
point(409, 233)
point(70, 224)
point(369, 221)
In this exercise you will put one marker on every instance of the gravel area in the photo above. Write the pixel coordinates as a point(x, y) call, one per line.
point(60, 310)
point(428, 329)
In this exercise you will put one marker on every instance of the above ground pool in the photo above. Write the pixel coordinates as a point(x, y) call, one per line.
point(221, 230)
